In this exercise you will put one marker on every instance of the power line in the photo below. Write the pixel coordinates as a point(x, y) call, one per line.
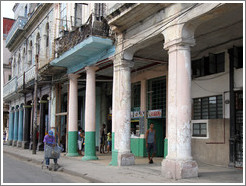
point(180, 14)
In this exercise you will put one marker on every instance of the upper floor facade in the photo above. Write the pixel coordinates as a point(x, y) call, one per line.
point(46, 30)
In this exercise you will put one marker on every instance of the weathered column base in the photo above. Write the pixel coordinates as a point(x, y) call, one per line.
point(126, 159)
point(25, 144)
point(9, 142)
point(114, 161)
point(40, 146)
point(19, 143)
point(14, 143)
point(90, 148)
point(179, 169)
point(72, 144)
point(30, 145)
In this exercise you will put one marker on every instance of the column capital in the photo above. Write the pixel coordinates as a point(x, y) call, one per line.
point(91, 68)
point(43, 101)
point(73, 76)
point(123, 64)
point(180, 43)
point(27, 106)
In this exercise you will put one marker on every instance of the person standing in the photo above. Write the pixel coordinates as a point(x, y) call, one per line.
point(80, 140)
point(49, 140)
point(109, 140)
point(151, 142)
point(102, 138)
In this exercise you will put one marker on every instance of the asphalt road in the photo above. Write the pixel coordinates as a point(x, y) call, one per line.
point(18, 171)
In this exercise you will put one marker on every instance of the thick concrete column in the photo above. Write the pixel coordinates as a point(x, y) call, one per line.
point(40, 146)
point(90, 115)
point(179, 163)
point(114, 161)
point(26, 126)
point(11, 127)
point(144, 102)
point(20, 128)
point(16, 120)
point(122, 112)
point(52, 104)
point(73, 116)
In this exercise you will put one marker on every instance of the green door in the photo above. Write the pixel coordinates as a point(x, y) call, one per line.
point(159, 126)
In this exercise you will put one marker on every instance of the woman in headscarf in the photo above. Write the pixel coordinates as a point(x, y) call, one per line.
point(49, 140)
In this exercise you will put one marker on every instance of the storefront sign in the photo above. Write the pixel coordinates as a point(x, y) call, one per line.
point(137, 114)
point(154, 113)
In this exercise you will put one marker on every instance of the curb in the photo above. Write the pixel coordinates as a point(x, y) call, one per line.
point(62, 169)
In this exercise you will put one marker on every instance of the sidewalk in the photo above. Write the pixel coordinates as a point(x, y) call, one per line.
point(98, 171)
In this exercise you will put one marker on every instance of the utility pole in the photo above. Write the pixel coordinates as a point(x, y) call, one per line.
point(34, 131)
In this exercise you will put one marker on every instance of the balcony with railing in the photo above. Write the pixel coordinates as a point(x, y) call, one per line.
point(90, 28)
point(85, 45)
point(15, 30)
point(10, 87)
point(20, 81)
point(16, 83)
point(30, 74)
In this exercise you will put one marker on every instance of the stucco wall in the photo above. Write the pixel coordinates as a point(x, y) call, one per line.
point(157, 71)
point(217, 154)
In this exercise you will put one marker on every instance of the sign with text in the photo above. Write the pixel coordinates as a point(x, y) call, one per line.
point(155, 113)
point(137, 114)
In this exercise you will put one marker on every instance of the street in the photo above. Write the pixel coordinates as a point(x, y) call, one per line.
point(17, 171)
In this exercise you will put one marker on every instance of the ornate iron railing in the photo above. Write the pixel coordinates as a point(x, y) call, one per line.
point(30, 74)
point(10, 87)
point(71, 39)
point(15, 29)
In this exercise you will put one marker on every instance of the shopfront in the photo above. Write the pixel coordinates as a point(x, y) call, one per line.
point(154, 112)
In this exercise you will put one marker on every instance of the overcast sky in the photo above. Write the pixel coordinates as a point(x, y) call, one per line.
point(6, 9)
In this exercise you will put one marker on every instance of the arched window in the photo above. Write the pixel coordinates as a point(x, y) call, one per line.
point(30, 53)
point(38, 44)
point(13, 67)
point(19, 64)
point(47, 38)
point(47, 35)
point(25, 11)
point(23, 58)
point(63, 16)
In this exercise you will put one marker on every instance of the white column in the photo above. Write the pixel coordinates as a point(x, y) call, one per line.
point(90, 114)
point(73, 115)
point(90, 102)
point(73, 102)
point(52, 103)
point(123, 112)
point(178, 163)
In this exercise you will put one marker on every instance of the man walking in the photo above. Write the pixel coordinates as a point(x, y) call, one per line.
point(150, 137)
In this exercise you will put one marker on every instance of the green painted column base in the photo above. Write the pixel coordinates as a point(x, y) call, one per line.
point(90, 146)
point(112, 148)
point(114, 161)
point(165, 147)
point(72, 144)
point(72, 154)
point(85, 158)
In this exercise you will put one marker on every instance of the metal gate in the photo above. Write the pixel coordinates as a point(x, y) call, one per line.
point(239, 129)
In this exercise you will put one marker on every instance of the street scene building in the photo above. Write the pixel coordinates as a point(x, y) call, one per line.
point(127, 65)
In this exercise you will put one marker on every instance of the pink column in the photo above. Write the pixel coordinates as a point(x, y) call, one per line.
point(73, 115)
point(178, 163)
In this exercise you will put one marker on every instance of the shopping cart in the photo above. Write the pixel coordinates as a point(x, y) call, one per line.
point(51, 152)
